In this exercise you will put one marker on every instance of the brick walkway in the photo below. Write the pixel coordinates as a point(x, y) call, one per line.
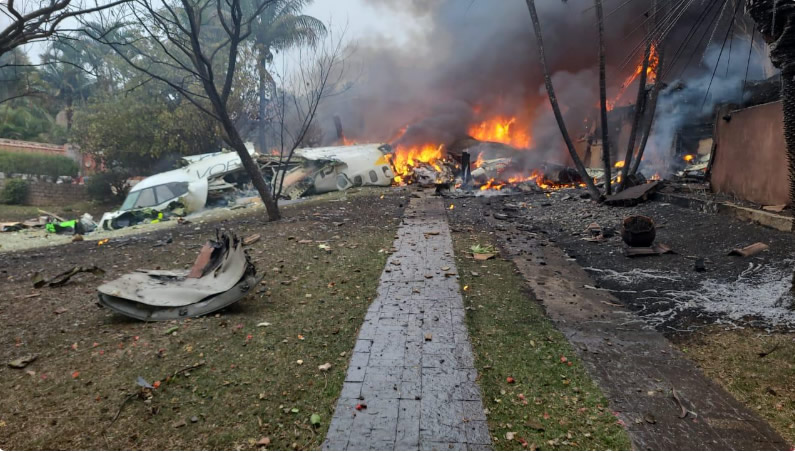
point(412, 365)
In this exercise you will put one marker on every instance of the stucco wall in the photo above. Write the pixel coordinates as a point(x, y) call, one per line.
point(750, 160)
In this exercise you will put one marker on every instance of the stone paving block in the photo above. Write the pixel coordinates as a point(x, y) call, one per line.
point(441, 419)
point(351, 390)
point(363, 346)
point(408, 425)
point(357, 367)
point(382, 382)
point(441, 446)
point(477, 432)
point(473, 410)
point(413, 354)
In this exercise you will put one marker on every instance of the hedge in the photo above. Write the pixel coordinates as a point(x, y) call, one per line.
point(38, 164)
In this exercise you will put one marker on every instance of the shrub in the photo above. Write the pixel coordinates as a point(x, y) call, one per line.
point(107, 186)
point(14, 192)
point(38, 164)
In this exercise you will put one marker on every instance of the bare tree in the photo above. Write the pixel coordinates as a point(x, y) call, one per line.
point(553, 100)
point(603, 98)
point(319, 75)
point(38, 20)
point(192, 46)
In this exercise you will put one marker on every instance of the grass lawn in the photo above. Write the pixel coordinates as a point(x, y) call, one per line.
point(258, 382)
point(536, 391)
point(764, 383)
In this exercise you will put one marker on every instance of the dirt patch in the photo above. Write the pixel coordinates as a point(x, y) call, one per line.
point(536, 390)
point(258, 376)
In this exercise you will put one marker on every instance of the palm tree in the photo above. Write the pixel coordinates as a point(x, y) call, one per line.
point(280, 26)
point(553, 100)
point(65, 71)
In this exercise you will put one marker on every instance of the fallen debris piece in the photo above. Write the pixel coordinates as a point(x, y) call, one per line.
point(633, 196)
point(638, 231)
point(63, 278)
point(324, 367)
point(778, 208)
point(482, 253)
point(21, 363)
point(251, 239)
point(700, 265)
point(654, 250)
point(749, 250)
point(222, 274)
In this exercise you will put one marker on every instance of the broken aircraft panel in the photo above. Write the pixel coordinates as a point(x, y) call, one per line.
point(222, 274)
point(333, 168)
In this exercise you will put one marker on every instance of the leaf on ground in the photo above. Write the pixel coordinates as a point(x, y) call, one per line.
point(315, 419)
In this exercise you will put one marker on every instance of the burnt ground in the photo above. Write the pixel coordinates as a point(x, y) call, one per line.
point(666, 290)
point(725, 319)
point(257, 378)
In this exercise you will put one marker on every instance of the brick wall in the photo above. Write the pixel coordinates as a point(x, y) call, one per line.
point(49, 194)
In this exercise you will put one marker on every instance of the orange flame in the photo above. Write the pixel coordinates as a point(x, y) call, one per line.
point(689, 157)
point(651, 71)
point(404, 159)
point(502, 130)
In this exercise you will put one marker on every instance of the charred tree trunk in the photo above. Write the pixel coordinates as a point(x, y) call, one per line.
point(553, 100)
point(603, 98)
point(640, 104)
point(655, 92)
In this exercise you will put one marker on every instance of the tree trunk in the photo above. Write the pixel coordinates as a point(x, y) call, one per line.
point(603, 98)
point(261, 132)
point(640, 104)
point(236, 142)
point(553, 100)
point(655, 92)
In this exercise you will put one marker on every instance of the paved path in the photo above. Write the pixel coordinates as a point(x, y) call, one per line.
point(412, 365)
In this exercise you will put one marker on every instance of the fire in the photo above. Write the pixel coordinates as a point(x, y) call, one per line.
point(689, 158)
point(479, 161)
point(492, 185)
point(404, 159)
point(347, 142)
point(502, 130)
point(619, 164)
point(651, 71)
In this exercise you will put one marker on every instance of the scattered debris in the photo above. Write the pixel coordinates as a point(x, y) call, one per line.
point(700, 265)
point(324, 367)
point(749, 250)
point(678, 400)
point(21, 363)
point(222, 274)
point(63, 278)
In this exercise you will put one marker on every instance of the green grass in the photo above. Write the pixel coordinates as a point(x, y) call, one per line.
point(251, 385)
point(552, 403)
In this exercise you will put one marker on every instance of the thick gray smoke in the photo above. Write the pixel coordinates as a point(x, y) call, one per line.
point(691, 99)
point(478, 59)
